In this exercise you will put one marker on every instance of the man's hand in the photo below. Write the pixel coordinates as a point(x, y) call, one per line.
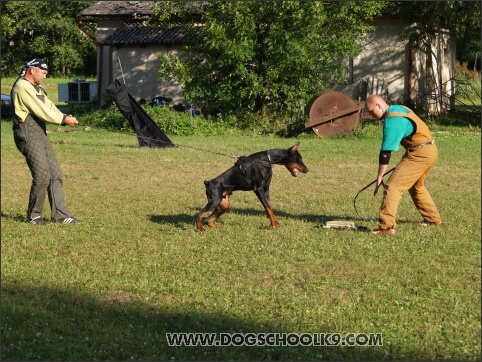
point(381, 171)
point(71, 121)
point(379, 183)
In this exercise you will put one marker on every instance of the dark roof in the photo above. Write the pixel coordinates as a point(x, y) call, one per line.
point(148, 34)
point(119, 8)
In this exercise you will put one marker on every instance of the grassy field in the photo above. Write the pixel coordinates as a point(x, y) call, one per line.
point(136, 269)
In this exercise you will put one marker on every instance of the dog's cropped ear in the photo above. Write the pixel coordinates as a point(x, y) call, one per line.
point(295, 148)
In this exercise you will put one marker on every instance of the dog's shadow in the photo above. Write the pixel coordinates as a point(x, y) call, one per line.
point(318, 220)
point(312, 218)
point(182, 220)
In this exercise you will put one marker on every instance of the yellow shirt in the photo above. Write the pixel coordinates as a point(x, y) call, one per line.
point(30, 99)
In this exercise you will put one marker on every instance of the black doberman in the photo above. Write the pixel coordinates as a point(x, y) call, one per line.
point(254, 173)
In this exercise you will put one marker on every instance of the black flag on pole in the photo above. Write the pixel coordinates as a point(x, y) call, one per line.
point(148, 132)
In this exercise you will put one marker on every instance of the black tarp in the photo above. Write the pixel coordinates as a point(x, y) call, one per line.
point(148, 132)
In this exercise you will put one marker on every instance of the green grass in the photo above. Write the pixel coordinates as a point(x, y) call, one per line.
point(136, 269)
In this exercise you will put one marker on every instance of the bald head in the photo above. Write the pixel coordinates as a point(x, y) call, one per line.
point(376, 106)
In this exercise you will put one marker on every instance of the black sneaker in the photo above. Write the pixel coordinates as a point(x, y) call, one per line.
point(38, 220)
point(69, 220)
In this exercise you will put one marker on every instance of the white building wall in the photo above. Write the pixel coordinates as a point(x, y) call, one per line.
point(138, 68)
point(383, 60)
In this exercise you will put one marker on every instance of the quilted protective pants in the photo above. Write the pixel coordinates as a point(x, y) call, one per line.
point(32, 141)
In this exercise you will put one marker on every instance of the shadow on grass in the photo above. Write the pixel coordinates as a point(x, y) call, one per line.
point(182, 219)
point(17, 217)
point(95, 144)
point(179, 220)
point(41, 323)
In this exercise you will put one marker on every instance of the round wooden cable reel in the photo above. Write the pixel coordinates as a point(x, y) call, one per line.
point(333, 113)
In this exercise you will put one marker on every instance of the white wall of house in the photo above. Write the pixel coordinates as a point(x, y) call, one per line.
point(397, 72)
point(107, 27)
point(383, 60)
point(139, 70)
point(136, 65)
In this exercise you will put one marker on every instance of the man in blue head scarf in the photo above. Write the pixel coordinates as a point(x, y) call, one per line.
point(32, 110)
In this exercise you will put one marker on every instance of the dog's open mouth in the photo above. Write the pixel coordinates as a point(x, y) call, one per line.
point(294, 172)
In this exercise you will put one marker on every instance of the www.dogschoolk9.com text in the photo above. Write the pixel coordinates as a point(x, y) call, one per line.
point(273, 339)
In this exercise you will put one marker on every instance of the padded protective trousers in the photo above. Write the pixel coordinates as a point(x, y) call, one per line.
point(32, 141)
point(410, 175)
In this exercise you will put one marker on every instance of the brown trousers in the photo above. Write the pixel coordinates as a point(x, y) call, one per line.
point(410, 175)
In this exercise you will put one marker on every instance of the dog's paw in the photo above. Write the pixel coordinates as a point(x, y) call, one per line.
point(210, 223)
point(199, 224)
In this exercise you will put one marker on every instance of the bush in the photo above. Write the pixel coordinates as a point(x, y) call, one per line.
point(469, 82)
point(169, 120)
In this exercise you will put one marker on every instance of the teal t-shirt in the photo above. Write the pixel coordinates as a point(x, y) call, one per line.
point(395, 128)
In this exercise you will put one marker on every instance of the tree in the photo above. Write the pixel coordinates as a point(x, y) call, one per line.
point(462, 18)
point(266, 58)
point(44, 29)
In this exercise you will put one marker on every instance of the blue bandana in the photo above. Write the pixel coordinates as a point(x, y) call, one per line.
point(36, 62)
